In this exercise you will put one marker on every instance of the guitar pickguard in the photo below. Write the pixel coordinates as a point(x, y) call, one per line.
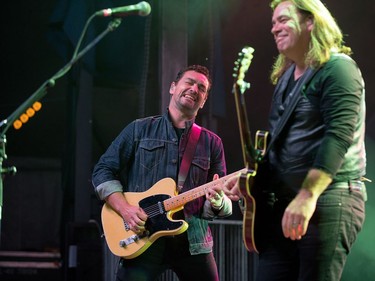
point(158, 218)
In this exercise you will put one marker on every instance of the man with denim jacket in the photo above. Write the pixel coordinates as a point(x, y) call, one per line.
point(150, 149)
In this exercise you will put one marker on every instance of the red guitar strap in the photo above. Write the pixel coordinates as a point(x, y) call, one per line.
point(188, 155)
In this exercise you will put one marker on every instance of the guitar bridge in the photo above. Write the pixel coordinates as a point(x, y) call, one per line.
point(132, 239)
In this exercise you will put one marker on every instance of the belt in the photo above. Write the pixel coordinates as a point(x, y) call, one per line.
point(352, 185)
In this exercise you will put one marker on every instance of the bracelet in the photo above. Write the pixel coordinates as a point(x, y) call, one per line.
point(218, 208)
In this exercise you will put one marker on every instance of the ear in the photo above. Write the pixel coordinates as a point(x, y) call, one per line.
point(310, 23)
point(203, 102)
point(172, 88)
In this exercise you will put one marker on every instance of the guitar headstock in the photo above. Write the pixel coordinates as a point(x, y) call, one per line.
point(241, 66)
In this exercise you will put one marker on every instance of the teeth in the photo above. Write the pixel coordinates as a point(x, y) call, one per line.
point(190, 97)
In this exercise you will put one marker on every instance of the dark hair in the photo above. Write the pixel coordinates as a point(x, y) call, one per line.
point(197, 68)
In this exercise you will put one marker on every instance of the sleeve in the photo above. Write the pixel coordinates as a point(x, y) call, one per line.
point(342, 90)
point(225, 209)
point(106, 172)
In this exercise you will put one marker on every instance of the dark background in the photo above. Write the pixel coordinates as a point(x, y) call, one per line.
point(120, 80)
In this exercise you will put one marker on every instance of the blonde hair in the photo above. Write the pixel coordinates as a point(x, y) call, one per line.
point(326, 37)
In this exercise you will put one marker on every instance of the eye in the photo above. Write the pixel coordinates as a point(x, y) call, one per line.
point(202, 89)
point(189, 82)
point(284, 19)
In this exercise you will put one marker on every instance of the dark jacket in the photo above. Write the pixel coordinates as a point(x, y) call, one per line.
point(326, 130)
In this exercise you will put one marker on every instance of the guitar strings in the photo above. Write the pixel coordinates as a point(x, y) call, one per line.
point(152, 210)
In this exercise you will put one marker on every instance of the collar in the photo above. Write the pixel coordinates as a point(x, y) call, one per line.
point(188, 124)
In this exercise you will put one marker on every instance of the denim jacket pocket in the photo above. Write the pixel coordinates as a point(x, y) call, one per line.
point(199, 169)
point(151, 153)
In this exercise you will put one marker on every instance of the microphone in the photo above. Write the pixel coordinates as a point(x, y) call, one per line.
point(141, 9)
point(11, 171)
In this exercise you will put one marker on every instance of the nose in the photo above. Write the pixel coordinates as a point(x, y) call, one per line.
point(194, 87)
point(275, 29)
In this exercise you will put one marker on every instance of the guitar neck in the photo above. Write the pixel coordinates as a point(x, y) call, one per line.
point(185, 197)
point(239, 88)
point(248, 150)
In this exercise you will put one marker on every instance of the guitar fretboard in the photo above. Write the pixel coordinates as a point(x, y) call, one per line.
point(183, 198)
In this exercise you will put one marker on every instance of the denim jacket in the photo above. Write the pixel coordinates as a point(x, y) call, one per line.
point(148, 150)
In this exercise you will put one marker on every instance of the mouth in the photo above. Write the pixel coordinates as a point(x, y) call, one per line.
point(279, 38)
point(190, 97)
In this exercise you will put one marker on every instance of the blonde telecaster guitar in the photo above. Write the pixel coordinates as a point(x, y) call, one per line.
point(159, 202)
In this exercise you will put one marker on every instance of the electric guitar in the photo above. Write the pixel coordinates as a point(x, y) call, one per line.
point(159, 202)
point(251, 154)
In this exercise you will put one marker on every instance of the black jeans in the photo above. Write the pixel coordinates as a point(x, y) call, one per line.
point(320, 254)
point(172, 253)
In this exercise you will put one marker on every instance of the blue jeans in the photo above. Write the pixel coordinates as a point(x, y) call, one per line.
point(321, 254)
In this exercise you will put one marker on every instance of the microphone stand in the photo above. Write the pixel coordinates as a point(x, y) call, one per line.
point(39, 94)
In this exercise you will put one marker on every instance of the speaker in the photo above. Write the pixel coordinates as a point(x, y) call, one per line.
point(83, 257)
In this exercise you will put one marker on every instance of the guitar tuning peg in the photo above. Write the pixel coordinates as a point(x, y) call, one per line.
point(248, 49)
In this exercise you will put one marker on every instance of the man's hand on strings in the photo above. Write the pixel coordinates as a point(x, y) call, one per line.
point(134, 218)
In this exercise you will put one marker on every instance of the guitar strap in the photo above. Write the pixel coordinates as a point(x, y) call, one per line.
point(188, 155)
point(295, 95)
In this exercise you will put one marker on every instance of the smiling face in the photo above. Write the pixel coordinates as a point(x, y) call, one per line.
point(291, 31)
point(190, 93)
